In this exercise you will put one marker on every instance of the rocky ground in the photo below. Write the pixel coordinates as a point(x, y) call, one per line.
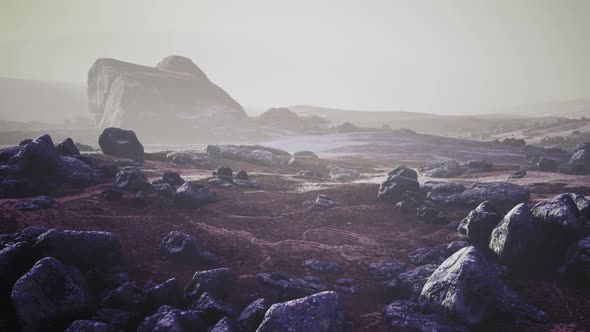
point(275, 226)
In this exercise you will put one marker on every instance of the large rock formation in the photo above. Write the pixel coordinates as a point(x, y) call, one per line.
point(174, 94)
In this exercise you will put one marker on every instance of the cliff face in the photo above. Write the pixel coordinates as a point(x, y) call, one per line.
point(176, 94)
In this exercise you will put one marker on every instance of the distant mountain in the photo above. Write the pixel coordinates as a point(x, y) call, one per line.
point(44, 101)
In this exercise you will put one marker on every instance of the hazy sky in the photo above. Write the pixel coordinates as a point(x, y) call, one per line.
point(439, 56)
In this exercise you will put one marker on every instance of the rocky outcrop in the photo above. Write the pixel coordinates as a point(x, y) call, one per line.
point(175, 94)
point(121, 143)
point(319, 312)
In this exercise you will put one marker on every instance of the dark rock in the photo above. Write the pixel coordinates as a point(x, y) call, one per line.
point(409, 284)
point(441, 169)
point(131, 180)
point(15, 260)
point(291, 288)
point(403, 170)
point(234, 152)
point(25, 142)
point(121, 143)
point(224, 172)
point(173, 179)
point(479, 223)
point(515, 239)
point(193, 195)
point(583, 205)
point(210, 309)
point(478, 166)
point(393, 189)
point(242, 175)
point(67, 148)
point(318, 312)
point(164, 190)
point(169, 319)
point(83, 249)
point(90, 326)
point(562, 224)
point(403, 314)
point(384, 272)
point(120, 319)
point(324, 201)
point(127, 296)
point(217, 282)
point(501, 194)
point(9, 152)
point(49, 294)
point(323, 266)
point(521, 173)
point(184, 248)
point(432, 216)
point(38, 203)
point(167, 293)
point(548, 165)
point(76, 172)
point(577, 261)
point(464, 287)
point(39, 157)
point(347, 285)
point(111, 194)
point(253, 315)
point(225, 325)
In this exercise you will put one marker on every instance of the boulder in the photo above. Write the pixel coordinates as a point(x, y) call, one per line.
point(441, 169)
point(242, 175)
point(131, 180)
point(184, 248)
point(121, 143)
point(435, 255)
point(67, 148)
point(127, 296)
point(501, 194)
point(76, 172)
point(402, 314)
point(217, 282)
point(251, 317)
point(225, 325)
point(37, 203)
point(464, 287)
point(384, 272)
point(515, 240)
point(579, 162)
point(173, 179)
point(324, 201)
point(409, 284)
point(193, 195)
point(38, 158)
point(290, 288)
point(478, 166)
point(83, 249)
point(169, 319)
point(318, 312)
point(323, 266)
point(172, 98)
point(90, 326)
point(403, 170)
point(15, 260)
point(211, 310)
point(343, 174)
point(577, 261)
point(224, 172)
point(9, 152)
point(393, 189)
point(583, 205)
point(167, 293)
point(164, 190)
point(561, 221)
point(479, 223)
point(49, 295)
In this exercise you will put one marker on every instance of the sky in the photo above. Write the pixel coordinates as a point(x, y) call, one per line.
point(437, 56)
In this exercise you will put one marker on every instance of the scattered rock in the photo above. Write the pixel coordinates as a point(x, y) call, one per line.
point(291, 288)
point(384, 272)
point(90, 326)
point(323, 266)
point(15, 260)
point(184, 248)
point(393, 189)
point(131, 180)
point(409, 284)
point(408, 315)
point(38, 203)
point(193, 195)
point(164, 190)
point(121, 143)
point(83, 249)
point(343, 174)
point(67, 148)
point(76, 172)
point(515, 239)
point(479, 223)
point(501, 194)
point(224, 172)
point(324, 201)
point(478, 166)
point(210, 309)
point(120, 319)
point(235, 152)
point(217, 282)
point(173, 179)
point(403, 170)
point(242, 175)
point(169, 319)
point(38, 158)
point(167, 293)
point(521, 173)
point(225, 325)
point(128, 297)
point(49, 294)
point(441, 169)
point(318, 312)
point(253, 315)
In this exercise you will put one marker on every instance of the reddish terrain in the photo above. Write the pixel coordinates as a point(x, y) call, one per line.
point(276, 228)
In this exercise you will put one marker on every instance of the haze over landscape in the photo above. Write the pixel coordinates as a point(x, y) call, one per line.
point(298, 166)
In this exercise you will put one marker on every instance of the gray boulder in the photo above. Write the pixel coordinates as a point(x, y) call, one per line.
point(394, 188)
point(184, 248)
point(251, 317)
point(579, 162)
point(409, 284)
point(479, 223)
point(403, 170)
point(217, 282)
point(67, 147)
point(517, 236)
point(131, 180)
point(403, 314)
point(319, 312)
point(234, 152)
point(49, 294)
point(290, 288)
point(38, 158)
point(90, 326)
point(441, 169)
point(193, 195)
point(169, 319)
point(121, 143)
point(501, 194)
